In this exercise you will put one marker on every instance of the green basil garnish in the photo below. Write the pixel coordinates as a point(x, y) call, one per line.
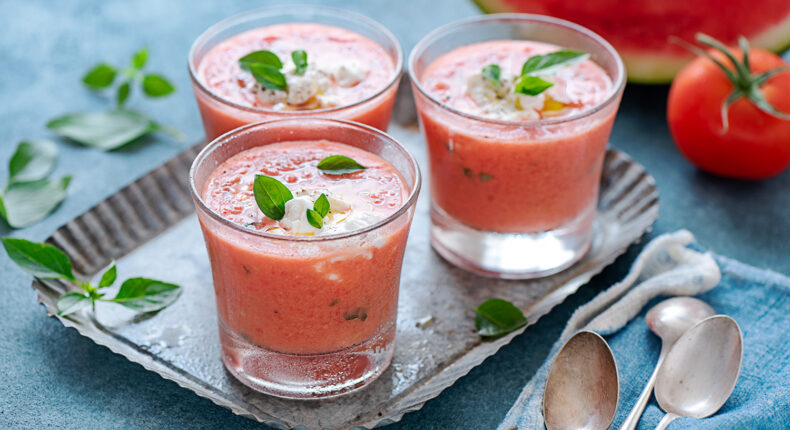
point(551, 63)
point(339, 165)
point(532, 85)
point(299, 58)
point(492, 74)
point(271, 195)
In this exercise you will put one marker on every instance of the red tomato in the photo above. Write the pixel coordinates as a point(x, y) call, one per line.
point(756, 145)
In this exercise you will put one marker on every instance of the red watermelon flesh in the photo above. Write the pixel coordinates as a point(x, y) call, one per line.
point(640, 29)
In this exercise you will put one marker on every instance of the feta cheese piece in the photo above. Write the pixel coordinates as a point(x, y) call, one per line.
point(358, 220)
point(349, 74)
point(302, 88)
point(314, 86)
point(295, 218)
point(269, 96)
point(501, 101)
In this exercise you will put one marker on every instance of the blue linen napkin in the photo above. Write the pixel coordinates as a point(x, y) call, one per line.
point(759, 300)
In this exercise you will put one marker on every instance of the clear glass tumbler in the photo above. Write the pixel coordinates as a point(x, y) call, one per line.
point(288, 326)
point(221, 115)
point(535, 215)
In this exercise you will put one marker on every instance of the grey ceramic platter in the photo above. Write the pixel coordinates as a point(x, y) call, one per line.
point(150, 228)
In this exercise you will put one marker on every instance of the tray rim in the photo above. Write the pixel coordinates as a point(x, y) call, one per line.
point(90, 328)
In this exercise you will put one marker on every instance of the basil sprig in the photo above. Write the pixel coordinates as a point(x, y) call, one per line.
point(339, 165)
point(315, 216)
point(271, 195)
point(497, 317)
point(29, 195)
point(492, 74)
point(543, 65)
point(266, 67)
point(115, 128)
point(44, 261)
point(102, 76)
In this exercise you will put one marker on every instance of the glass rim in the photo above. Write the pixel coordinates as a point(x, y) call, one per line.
point(231, 21)
point(617, 87)
point(219, 141)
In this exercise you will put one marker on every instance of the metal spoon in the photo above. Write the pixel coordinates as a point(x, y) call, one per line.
point(668, 320)
point(582, 387)
point(701, 370)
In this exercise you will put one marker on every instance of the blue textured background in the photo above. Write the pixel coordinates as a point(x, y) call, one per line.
point(52, 377)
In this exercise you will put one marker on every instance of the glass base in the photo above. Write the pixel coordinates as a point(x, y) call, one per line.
point(303, 376)
point(510, 255)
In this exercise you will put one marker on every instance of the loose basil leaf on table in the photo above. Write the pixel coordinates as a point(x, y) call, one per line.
point(41, 260)
point(26, 203)
point(271, 195)
point(72, 302)
point(123, 93)
point(146, 295)
point(157, 85)
point(339, 165)
point(108, 277)
point(32, 160)
point(100, 76)
point(497, 317)
point(140, 58)
point(103, 130)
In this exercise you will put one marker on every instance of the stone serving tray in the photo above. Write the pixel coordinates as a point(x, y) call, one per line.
point(151, 230)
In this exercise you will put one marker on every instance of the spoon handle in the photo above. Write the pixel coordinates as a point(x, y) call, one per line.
point(633, 417)
point(668, 418)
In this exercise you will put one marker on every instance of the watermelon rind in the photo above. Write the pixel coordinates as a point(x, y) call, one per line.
point(661, 67)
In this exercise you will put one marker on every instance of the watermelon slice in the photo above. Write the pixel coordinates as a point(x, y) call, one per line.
point(640, 30)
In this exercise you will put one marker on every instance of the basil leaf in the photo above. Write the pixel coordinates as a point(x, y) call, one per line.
point(532, 85)
point(104, 130)
point(321, 205)
point(548, 64)
point(123, 93)
point(33, 160)
point(146, 295)
point(72, 302)
point(269, 77)
point(39, 259)
point(271, 195)
point(264, 57)
point(339, 165)
point(100, 76)
point(140, 58)
point(157, 85)
point(26, 203)
point(492, 73)
point(314, 218)
point(109, 277)
point(496, 317)
point(299, 58)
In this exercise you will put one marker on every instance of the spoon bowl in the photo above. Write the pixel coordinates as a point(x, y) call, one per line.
point(668, 319)
point(582, 385)
point(700, 372)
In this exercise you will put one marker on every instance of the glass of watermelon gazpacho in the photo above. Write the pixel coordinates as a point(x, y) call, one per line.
point(304, 61)
point(305, 221)
point(516, 111)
